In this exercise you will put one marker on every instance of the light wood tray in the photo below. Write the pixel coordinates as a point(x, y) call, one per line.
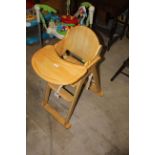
point(52, 68)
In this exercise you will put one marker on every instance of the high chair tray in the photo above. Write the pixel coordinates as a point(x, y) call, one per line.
point(52, 68)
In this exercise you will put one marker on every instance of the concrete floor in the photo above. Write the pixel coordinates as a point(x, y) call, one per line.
point(99, 124)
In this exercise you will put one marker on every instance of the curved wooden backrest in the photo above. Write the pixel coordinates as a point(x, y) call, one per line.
point(83, 42)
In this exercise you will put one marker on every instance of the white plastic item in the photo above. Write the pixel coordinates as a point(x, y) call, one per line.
point(54, 32)
point(91, 15)
point(37, 12)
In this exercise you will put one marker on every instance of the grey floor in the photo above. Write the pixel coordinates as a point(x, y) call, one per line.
point(99, 124)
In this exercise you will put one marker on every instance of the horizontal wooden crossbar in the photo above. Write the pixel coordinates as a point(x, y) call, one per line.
point(57, 115)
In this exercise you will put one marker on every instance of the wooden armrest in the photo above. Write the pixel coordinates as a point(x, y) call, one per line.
point(59, 47)
point(93, 62)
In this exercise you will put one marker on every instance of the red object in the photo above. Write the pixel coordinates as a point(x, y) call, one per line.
point(69, 19)
point(29, 4)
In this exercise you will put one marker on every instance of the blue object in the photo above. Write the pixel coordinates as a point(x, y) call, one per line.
point(34, 22)
point(33, 40)
point(55, 18)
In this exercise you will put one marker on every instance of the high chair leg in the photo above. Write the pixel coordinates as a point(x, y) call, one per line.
point(74, 103)
point(64, 121)
point(47, 94)
point(51, 109)
point(96, 87)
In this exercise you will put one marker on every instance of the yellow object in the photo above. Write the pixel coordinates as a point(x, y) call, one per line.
point(54, 69)
point(69, 62)
point(30, 17)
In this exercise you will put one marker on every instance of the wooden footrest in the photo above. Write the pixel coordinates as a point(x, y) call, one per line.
point(57, 116)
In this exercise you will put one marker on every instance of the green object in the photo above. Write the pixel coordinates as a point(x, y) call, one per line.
point(46, 8)
point(63, 32)
point(86, 4)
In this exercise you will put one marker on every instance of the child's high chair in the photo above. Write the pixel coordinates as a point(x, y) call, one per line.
point(72, 61)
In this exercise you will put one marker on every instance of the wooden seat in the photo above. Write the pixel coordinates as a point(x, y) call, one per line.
point(70, 62)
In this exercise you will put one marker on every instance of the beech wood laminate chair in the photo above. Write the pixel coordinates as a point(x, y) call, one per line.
point(71, 61)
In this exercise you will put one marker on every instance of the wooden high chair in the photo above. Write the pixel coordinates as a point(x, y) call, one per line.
point(72, 61)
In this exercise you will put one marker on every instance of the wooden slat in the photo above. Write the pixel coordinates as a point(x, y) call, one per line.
point(57, 116)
